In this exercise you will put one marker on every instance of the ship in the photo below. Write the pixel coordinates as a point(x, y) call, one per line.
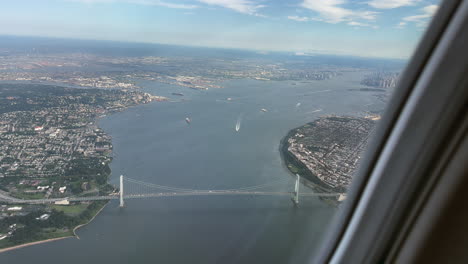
point(264, 110)
point(179, 94)
point(188, 120)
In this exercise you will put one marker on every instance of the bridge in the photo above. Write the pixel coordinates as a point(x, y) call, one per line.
point(150, 190)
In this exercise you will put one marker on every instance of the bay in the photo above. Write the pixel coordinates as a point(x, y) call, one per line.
point(154, 143)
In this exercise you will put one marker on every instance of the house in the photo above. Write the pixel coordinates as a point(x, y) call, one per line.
point(62, 189)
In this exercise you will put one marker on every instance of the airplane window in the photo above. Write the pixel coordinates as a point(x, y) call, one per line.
point(189, 131)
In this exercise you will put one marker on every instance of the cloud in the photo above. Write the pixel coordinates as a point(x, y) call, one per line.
point(421, 20)
point(358, 24)
point(141, 2)
point(350, 23)
point(298, 18)
point(170, 5)
point(389, 4)
point(331, 11)
point(401, 25)
point(241, 6)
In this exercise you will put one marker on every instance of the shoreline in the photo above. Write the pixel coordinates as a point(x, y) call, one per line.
point(307, 177)
point(54, 239)
point(95, 120)
point(90, 220)
point(288, 158)
point(33, 243)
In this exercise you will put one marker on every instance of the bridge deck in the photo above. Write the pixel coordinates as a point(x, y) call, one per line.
point(163, 194)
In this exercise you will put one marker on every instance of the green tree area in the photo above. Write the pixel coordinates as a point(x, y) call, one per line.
point(88, 169)
point(59, 224)
point(15, 97)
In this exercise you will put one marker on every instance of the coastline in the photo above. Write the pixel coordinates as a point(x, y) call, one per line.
point(308, 178)
point(90, 220)
point(54, 239)
point(289, 159)
point(95, 120)
point(33, 243)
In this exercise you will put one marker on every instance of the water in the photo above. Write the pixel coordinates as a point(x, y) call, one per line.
point(153, 143)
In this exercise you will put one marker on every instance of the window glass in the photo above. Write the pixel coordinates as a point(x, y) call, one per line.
point(189, 131)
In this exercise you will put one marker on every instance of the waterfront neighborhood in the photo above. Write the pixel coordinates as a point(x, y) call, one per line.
point(329, 149)
point(51, 147)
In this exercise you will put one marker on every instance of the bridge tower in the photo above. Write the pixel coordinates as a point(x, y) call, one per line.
point(296, 190)
point(121, 191)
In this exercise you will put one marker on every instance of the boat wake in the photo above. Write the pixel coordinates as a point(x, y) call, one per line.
point(238, 124)
point(315, 111)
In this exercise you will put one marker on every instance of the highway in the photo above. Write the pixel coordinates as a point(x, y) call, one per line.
point(9, 199)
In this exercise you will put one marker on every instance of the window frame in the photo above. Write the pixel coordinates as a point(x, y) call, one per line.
point(399, 155)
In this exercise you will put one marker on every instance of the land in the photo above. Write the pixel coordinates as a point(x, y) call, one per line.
point(381, 79)
point(327, 150)
point(109, 72)
point(51, 147)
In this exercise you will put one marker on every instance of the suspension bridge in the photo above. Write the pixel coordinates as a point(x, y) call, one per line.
point(139, 189)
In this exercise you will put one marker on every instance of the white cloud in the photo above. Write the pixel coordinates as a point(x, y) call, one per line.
point(241, 6)
point(92, 1)
point(431, 9)
point(389, 4)
point(358, 24)
point(141, 2)
point(170, 5)
point(298, 18)
point(331, 11)
point(421, 20)
point(401, 25)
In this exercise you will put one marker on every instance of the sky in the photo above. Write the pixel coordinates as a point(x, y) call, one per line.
point(369, 28)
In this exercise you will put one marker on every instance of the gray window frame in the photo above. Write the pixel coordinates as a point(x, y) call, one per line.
point(409, 142)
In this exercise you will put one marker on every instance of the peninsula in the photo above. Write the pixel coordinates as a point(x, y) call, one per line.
point(327, 150)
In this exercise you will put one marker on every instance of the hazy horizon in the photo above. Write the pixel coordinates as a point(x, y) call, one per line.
point(259, 52)
point(375, 28)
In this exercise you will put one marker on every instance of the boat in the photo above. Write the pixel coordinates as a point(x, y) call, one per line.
point(179, 94)
point(264, 110)
point(188, 120)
